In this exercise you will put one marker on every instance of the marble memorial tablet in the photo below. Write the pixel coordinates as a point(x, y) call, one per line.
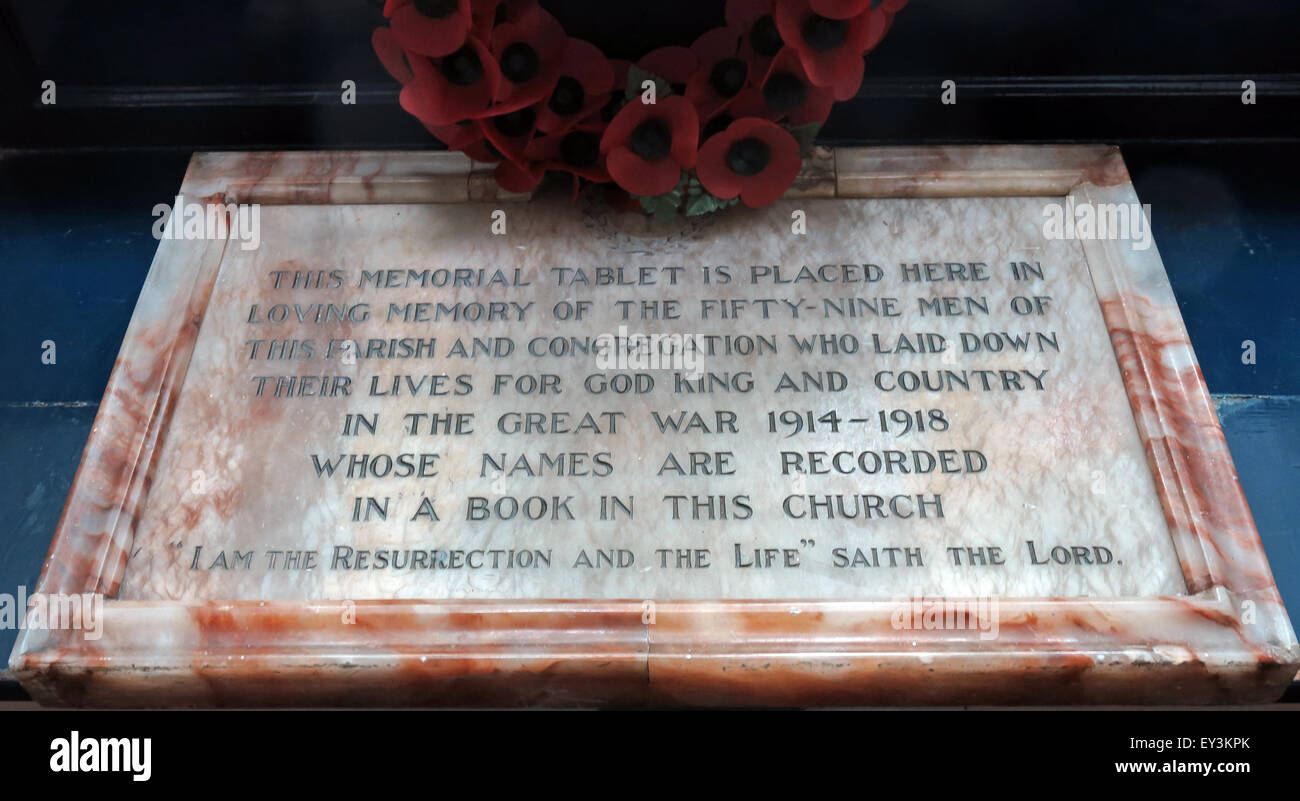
point(928, 430)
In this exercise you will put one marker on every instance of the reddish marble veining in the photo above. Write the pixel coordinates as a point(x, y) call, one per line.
point(582, 652)
point(91, 545)
point(1066, 651)
point(1228, 641)
point(1108, 170)
point(341, 177)
point(1206, 509)
point(984, 170)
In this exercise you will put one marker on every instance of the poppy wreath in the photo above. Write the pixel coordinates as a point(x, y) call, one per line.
point(683, 130)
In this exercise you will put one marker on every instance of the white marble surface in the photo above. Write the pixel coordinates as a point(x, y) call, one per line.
point(1066, 466)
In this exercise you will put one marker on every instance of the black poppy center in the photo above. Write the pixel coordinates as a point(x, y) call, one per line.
point(651, 140)
point(462, 67)
point(436, 9)
point(764, 36)
point(728, 77)
point(568, 97)
point(784, 91)
point(580, 148)
point(519, 62)
point(823, 33)
point(516, 123)
point(749, 156)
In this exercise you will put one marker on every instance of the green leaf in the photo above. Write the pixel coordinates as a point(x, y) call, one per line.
point(662, 207)
point(636, 76)
point(704, 203)
point(805, 135)
point(701, 204)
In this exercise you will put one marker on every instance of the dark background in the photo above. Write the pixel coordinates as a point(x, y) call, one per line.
point(266, 73)
point(141, 85)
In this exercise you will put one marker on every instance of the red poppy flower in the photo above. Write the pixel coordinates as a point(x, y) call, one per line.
point(830, 49)
point(843, 9)
point(458, 137)
point(789, 93)
point(755, 159)
point(448, 90)
point(483, 152)
point(429, 27)
point(528, 52)
point(391, 55)
point(884, 14)
point(618, 95)
point(576, 151)
point(840, 9)
point(585, 80)
point(722, 73)
point(519, 178)
point(649, 144)
point(621, 68)
point(511, 133)
point(785, 94)
point(490, 13)
point(762, 39)
point(675, 64)
point(748, 103)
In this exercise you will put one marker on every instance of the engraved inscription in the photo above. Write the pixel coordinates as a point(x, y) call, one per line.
point(915, 397)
